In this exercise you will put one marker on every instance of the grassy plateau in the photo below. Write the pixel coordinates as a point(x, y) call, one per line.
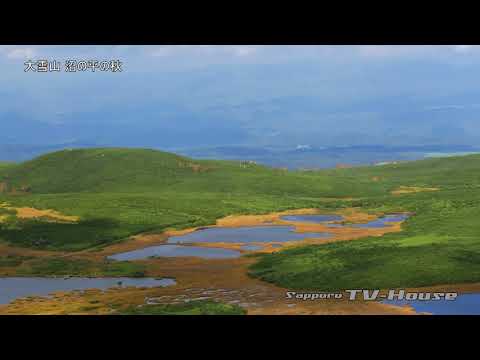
point(116, 193)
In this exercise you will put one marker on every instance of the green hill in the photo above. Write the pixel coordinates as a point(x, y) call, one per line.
point(100, 170)
point(113, 170)
point(440, 244)
point(140, 171)
point(120, 192)
point(4, 164)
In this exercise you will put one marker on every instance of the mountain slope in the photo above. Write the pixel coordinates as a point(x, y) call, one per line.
point(139, 171)
point(122, 170)
point(116, 193)
point(94, 170)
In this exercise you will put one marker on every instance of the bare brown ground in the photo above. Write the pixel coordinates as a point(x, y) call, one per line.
point(411, 190)
point(29, 213)
point(6, 249)
point(32, 213)
point(221, 280)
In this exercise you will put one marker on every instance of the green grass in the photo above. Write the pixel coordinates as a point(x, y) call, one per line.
point(118, 193)
point(121, 192)
point(438, 245)
point(7, 212)
point(200, 307)
point(4, 165)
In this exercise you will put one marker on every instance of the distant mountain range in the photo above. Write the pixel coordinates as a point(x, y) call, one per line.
point(294, 157)
point(230, 110)
point(279, 122)
point(308, 157)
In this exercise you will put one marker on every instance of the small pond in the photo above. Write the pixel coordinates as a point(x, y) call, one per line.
point(467, 304)
point(251, 247)
point(257, 234)
point(242, 235)
point(312, 218)
point(12, 288)
point(246, 235)
point(176, 251)
point(382, 222)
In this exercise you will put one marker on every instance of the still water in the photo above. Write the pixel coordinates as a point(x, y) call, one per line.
point(246, 234)
point(467, 304)
point(382, 222)
point(16, 287)
point(176, 251)
point(312, 218)
point(242, 235)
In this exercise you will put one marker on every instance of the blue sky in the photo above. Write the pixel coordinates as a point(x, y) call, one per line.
point(199, 55)
point(255, 93)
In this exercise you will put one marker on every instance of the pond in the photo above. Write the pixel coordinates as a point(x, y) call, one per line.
point(176, 251)
point(467, 304)
point(312, 218)
point(248, 236)
point(383, 222)
point(257, 234)
point(251, 247)
point(241, 235)
point(12, 288)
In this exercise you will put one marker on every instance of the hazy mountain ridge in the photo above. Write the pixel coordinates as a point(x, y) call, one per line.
point(254, 105)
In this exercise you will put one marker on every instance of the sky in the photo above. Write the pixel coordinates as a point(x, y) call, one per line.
point(192, 56)
point(250, 94)
point(147, 61)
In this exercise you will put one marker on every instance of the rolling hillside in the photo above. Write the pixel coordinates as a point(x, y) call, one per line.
point(111, 170)
point(117, 170)
point(439, 244)
point(120, 192)
point(116, 193)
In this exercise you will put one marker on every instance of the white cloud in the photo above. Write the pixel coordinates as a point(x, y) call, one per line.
point(194, 56)
point(209, 50)
point(162, 51)
point(394, 50)
point(243, 50)
point(463, 48)
point(21, 53)
point(17, 52)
